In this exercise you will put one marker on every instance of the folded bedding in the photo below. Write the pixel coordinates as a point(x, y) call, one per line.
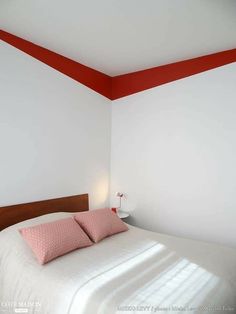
point(129, 272)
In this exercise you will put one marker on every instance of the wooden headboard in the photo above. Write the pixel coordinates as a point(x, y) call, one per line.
point(10, 215)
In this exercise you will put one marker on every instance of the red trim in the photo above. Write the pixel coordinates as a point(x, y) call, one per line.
point(93, 79)
point(128, 84)
point(122, 85)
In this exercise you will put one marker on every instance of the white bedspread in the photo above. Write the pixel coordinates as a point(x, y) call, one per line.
point(131, 272)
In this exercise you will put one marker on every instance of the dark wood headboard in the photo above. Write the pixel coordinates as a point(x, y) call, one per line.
point(10, 215)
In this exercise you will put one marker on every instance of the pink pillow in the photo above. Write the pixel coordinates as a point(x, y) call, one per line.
point(54, 239)
point(100, 223)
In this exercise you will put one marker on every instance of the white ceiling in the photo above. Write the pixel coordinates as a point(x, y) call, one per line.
point(120, 36)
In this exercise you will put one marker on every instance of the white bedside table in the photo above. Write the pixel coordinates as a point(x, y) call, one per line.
point(122, 214)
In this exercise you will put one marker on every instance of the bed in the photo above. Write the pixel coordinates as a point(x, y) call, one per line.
point(132, 272)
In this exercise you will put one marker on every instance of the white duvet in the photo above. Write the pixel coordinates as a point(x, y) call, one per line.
point(132, 272)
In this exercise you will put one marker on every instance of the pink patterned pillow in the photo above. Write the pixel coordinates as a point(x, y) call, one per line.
point(54, 239)
point(100, 223)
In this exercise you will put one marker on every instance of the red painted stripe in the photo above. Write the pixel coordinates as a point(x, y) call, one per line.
point(122, 85)
point(128, 84)
point(93, 79)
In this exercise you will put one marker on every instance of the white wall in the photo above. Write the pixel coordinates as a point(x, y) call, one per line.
point(174, 155)
point(173, 147)
point(54, 134)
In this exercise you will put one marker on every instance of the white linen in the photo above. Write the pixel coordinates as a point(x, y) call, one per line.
point(120, 274)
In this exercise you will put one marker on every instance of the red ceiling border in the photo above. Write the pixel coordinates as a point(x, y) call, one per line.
point(131, 83)
point(126, 84)
point(89, 77)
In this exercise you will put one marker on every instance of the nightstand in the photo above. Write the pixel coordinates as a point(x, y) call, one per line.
point(122, 214)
